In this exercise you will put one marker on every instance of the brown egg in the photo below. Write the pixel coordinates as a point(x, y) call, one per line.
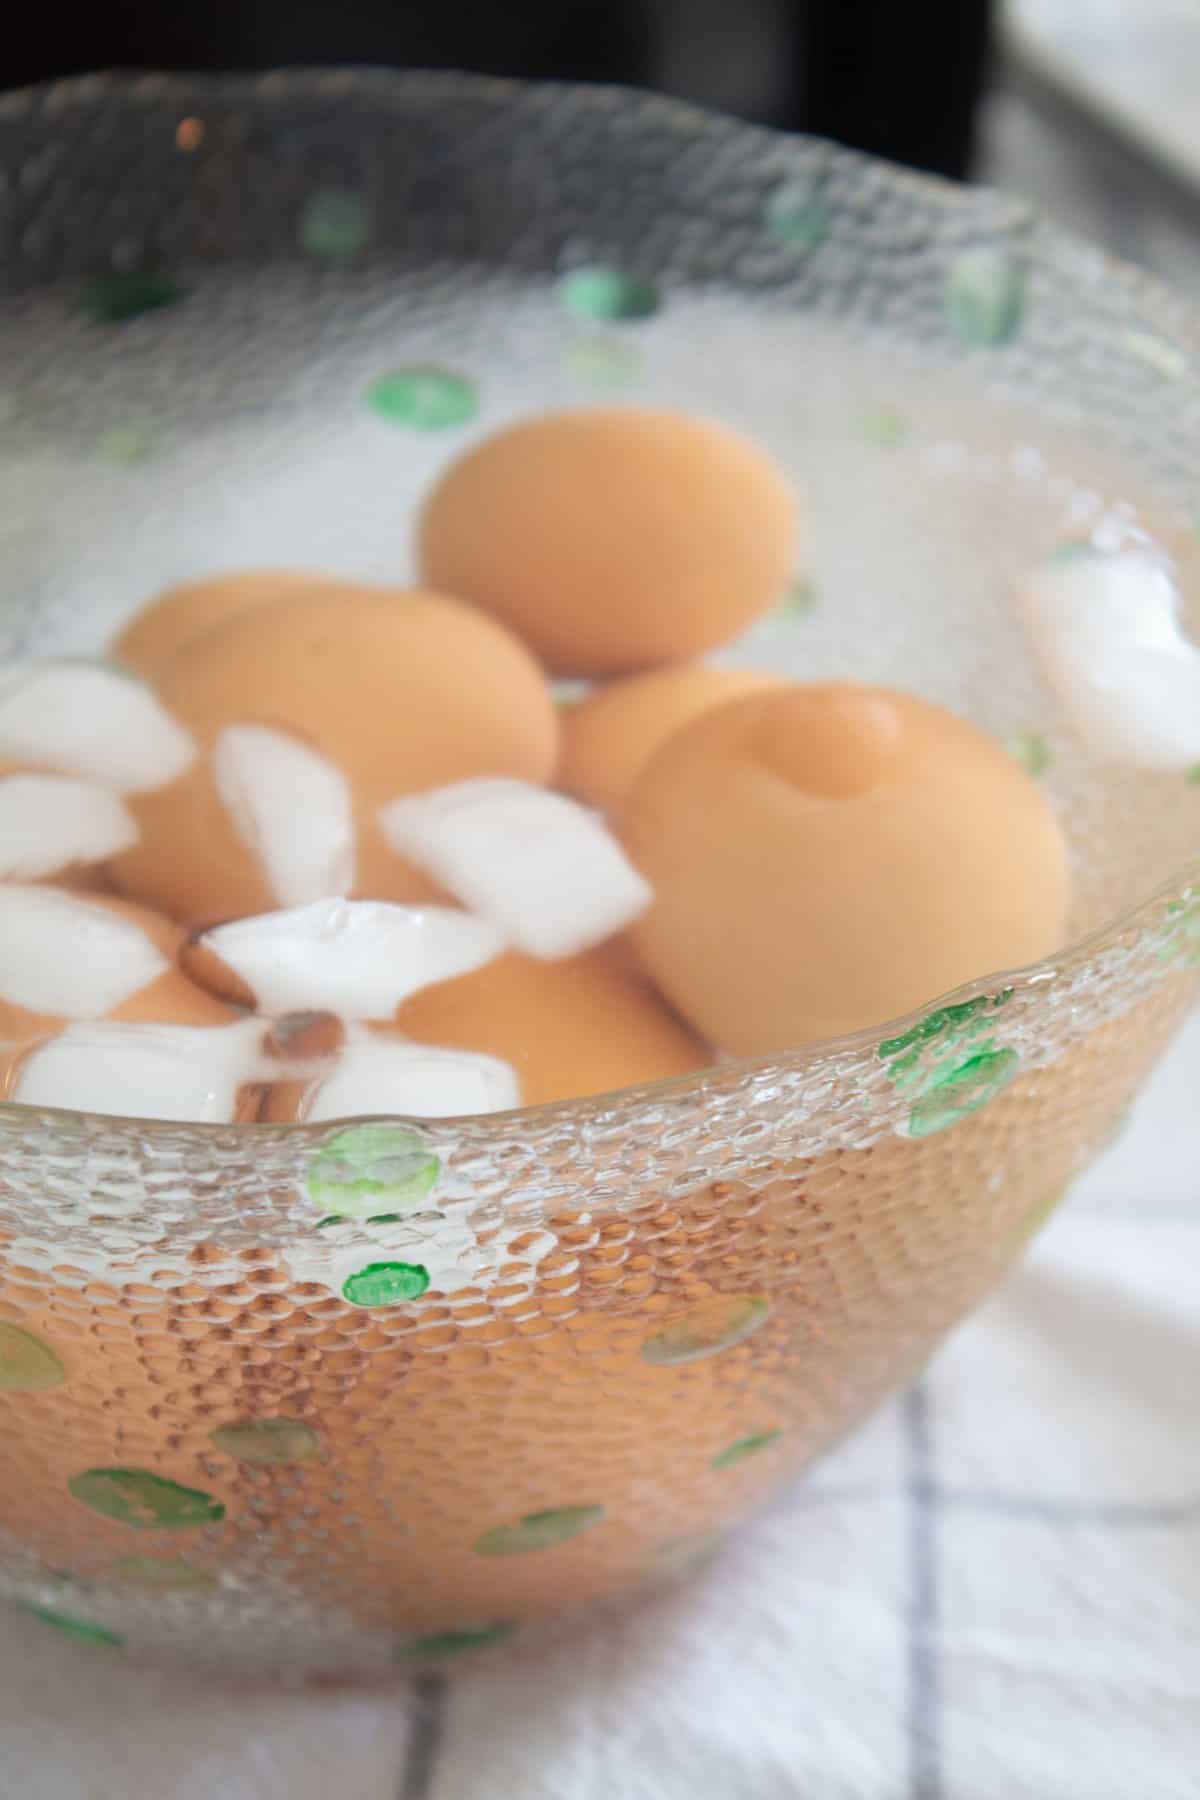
point(610, 735)
point(826, 858)
point(81, 880)
point(169, 999)
point(612, 539)
point(580, 1026)
point(174, 1000)
point(180, 614)
point(401, 690)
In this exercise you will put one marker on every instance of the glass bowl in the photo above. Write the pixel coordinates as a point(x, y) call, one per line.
point(347, 1398)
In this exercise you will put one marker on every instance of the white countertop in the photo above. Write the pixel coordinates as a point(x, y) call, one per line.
point(1134, 62)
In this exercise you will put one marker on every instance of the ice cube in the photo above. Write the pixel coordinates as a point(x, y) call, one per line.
point(61, 955)
point(49, 822)
point(542, 868)
point(377, 1075)
point(93, 721)
point(1106, 633)
point(184, 1072)
point(291, 807)
point(357, 958)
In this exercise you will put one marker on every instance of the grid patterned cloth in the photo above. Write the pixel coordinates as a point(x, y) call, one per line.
point(991, 1593)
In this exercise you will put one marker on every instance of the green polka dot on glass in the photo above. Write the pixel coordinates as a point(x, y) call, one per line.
point(440, 1644)
point(538, 1531)
point(76, 1628)
point(609, 294)
point(268, 1443)
point(144, 1501)
point(371, 1219)
point(111, 299)
point(1031, 751)
point(1073, 550)
point(942, 1022)
point(985, 298)
point(603, 362)
point(27, 1365)
point(799, 601)
point(336, 222)
point(885, 426)
point(936, 1045)
point(1181, 940)
point(370, 1170)
point(679, 1555)
point(128, 445)
point(795, 214)
point(162, 1574)
point(707, 1329)
point(1157, 353)
point(1118, 1125)
point(1193, 775)
point(1032, 1222)
point(743, 1447)
point(423, 399)
point(962, 1091)
point(385, 1284)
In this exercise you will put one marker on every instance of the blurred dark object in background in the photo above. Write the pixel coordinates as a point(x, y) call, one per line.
point(901, 78)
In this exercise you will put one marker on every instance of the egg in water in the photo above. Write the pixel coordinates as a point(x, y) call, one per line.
point(399, 690)
point(610, 735)
point(827, 857)
point(179, 614)
point(612, 539)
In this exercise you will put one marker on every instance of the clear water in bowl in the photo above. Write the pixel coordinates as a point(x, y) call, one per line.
point(252, 423)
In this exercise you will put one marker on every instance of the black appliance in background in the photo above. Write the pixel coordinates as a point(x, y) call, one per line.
point(901, 78)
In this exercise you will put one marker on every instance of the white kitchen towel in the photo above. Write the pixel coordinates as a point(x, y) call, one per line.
point(992, 1593)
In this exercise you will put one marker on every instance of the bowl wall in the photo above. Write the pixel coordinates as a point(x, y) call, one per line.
point(347, 1398)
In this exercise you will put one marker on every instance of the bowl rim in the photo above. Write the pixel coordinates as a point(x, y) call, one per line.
point(1144, 292)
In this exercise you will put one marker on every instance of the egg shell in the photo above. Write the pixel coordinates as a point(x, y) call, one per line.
point(180, 614)
point(581, 1026)
point(169, 999)
point(401, 690)
point(83, 879)
point(613, 539)
point(826, 858)
point(611, 734)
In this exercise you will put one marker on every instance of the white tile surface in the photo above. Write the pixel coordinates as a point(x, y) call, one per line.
point(1064, 1671)
point(781, 1674)
point(77, 1724)
point(1103, 1315)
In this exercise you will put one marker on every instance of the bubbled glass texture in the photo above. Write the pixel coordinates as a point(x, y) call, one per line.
point(349, 1400)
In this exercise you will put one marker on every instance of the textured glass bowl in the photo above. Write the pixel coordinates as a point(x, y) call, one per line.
point(344, 1399)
